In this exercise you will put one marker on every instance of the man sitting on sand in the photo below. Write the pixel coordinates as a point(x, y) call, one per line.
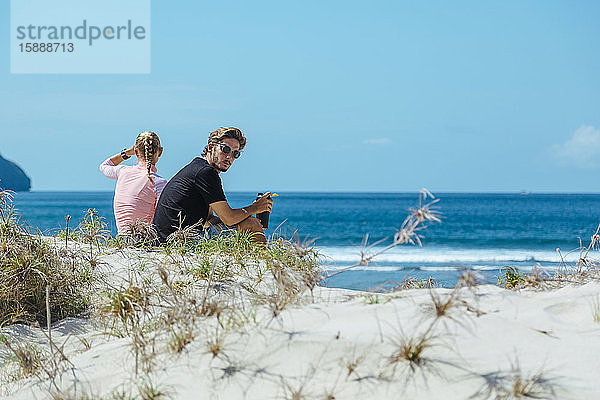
point(196, 192)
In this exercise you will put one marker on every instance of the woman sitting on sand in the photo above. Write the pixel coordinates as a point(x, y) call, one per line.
point(138, 186)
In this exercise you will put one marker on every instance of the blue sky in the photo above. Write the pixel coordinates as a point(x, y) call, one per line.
point(334, 96)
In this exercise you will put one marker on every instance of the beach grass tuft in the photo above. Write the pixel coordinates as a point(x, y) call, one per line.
point(180, 338)
point(517, 384)
point(511, 278)
point(442, 305)
point(412, 350)
point(28, 264)
point(215, 345)
point(27, 356)
point(147, 390)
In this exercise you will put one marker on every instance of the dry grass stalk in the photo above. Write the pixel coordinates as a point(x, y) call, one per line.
point(596, 308)
point(469, 279)
point(180, 339)
point(408, 232)
point(185, 236)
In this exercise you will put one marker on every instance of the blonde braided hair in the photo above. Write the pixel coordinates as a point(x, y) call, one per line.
point(150, 144)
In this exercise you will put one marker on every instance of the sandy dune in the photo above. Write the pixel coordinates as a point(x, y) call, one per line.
point(334, 343)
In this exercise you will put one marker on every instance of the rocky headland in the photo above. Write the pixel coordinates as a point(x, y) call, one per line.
point(12, 177)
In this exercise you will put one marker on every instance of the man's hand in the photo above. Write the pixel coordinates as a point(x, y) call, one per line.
point(264, 203)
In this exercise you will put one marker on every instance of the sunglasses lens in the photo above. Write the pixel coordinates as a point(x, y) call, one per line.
point(226, 150)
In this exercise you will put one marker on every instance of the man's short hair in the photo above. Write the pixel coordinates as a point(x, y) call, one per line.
point(224, 133)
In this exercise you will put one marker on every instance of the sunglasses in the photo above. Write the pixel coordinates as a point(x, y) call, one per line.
point(226, 149)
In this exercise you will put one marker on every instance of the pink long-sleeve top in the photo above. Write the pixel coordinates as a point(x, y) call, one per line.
point(135, 195)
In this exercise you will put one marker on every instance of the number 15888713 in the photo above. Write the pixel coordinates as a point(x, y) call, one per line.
point(46, 47)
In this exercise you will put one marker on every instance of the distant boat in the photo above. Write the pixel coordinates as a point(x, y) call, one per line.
point(525, 192)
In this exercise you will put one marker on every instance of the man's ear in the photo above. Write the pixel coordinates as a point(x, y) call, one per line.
point(209, 149)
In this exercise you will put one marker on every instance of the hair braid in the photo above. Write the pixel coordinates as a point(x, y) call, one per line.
point(148, 145)
point(149, 156)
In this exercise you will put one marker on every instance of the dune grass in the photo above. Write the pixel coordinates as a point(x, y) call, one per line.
point(199, 294)
point(585, 269)
point(28, 264)
point(517, 383)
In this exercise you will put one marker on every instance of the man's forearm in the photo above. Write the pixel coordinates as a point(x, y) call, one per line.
point(240, 214)
point(233, 216)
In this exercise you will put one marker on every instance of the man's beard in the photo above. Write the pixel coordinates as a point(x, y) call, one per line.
point(215, 166)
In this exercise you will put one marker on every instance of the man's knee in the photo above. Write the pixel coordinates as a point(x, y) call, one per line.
point(212, 220)
point(251, 224)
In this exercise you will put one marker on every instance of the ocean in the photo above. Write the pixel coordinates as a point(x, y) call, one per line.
point(484, 232)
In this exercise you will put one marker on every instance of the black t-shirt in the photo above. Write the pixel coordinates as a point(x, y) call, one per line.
point(188, 193)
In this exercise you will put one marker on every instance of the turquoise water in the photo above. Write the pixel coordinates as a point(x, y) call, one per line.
point(480, 231)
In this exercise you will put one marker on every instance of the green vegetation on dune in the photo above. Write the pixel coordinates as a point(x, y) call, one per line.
point(29, 264)
point(203, 296)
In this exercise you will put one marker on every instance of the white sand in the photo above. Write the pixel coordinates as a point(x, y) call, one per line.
point(306, 351)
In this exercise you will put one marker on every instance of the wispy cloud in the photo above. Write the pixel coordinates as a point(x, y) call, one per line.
point(581, 149)
point(377, 141)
